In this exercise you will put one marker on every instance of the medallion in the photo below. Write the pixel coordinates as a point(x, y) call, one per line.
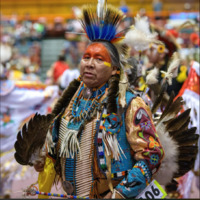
point(87, 93)
point(68, 187)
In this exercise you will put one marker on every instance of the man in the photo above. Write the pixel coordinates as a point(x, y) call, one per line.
point(102, 144)
point(159, 56)
point(136, 155)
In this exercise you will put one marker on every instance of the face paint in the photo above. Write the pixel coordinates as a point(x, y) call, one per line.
point(96, 65)
point(107, 64)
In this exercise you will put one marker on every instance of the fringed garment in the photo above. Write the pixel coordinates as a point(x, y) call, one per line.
point(90, 166)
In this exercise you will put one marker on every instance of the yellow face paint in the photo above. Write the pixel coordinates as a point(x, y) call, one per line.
point(107, 64)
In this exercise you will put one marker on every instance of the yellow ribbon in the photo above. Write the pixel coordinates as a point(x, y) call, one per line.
point(46, 178)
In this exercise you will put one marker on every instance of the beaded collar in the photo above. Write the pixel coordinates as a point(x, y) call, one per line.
point(93, 98)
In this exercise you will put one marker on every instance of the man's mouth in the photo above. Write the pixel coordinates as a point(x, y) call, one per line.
point(88, 74)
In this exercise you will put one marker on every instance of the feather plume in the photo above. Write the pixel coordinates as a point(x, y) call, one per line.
point(123, 85)
point(171, 111)
point(188, 149)
point(124, 51)
point(101, 7)
point(139, 36)
point(185, 133)
point(182, 129)
point(172, 69)
point(31, 138)
point(177, 122)
point(188, 140)
point(152, 76)
point(102, 29)
point(159, 98)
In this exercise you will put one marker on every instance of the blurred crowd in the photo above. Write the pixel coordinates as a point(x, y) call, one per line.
point(21, 66)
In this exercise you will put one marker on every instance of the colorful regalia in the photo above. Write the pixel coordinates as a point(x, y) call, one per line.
point(102, 139)
point(86, 171)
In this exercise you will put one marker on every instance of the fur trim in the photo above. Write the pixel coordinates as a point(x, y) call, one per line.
point(169, 165)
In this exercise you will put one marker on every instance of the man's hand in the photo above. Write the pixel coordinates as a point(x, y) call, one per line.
point(39, 164)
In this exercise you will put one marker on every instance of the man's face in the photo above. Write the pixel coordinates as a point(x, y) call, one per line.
point(95, 68)
point(154, 56)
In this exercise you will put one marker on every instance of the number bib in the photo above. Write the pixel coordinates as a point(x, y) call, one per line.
point(152, 191)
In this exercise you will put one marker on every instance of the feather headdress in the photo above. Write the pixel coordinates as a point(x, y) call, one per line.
point(101, 24)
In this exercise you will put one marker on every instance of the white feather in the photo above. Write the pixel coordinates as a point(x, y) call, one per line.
point(172, 69)
point(151, 78)
point(142, 24)
point(140, 37)
point(123, 85)
point(101, 7)
point(49, 142)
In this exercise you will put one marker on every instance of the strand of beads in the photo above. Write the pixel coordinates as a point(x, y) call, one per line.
point(33, 190)
point(61, 195)
point(86, 114)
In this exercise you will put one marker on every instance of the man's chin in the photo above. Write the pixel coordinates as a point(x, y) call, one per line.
point(89, 83)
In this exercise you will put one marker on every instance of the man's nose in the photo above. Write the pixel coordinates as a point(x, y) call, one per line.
point(91, 62)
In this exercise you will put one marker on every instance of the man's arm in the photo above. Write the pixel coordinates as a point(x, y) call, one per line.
point(144, 142)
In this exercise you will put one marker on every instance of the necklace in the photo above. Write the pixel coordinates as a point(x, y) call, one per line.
point(93, 97)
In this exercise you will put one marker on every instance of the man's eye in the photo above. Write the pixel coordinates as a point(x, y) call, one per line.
point(86, 57)
point(99, 59)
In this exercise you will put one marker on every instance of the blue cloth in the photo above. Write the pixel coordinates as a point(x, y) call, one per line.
point(133, 184)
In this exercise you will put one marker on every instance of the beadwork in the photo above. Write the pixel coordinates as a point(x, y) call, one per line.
point(89, 110)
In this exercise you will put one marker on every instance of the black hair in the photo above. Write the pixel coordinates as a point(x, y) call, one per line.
point(61, 58)
point(66, 97)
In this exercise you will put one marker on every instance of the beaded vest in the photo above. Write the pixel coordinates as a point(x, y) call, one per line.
point(78, 169)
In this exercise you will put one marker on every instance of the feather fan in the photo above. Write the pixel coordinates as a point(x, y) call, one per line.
point(179, 143)
point(31, 138)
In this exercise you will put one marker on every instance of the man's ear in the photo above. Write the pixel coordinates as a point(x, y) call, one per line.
point(114, 70)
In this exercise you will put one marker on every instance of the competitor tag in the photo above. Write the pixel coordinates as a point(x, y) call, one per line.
point(152, 191)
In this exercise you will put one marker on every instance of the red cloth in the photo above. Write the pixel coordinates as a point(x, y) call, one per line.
point(172, 32)
point(59, 68)
point(194, 38)
point(191, 83)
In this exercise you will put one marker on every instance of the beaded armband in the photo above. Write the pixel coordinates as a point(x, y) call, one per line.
point(144, 169)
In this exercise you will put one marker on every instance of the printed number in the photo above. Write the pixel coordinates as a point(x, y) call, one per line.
point(149, 194)
point(155, 191)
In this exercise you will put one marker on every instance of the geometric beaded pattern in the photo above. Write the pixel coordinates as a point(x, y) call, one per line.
point(144, 169)
point(101, 151)
point(119, 174)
